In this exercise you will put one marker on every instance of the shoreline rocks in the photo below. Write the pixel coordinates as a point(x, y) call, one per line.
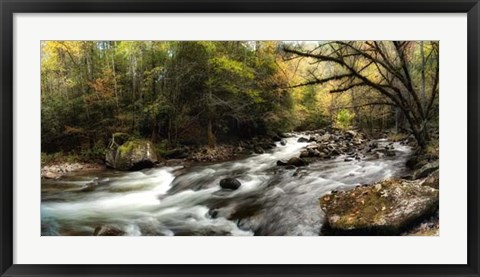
point(331, 143)
point(56, 171)
point(426, 170)
point(106, 230)
point(389, 207)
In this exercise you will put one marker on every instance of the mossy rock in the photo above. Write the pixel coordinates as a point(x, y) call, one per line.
point(385, 208)
point(132, 155)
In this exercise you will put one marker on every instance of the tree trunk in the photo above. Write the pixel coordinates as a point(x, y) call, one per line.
point(418, 129)
point(114, 76)
point(210, 135)
point(423, 75)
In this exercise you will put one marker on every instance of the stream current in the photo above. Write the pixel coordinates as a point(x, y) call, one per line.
point(272, 200)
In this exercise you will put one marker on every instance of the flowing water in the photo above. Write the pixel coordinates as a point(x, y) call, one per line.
point(189, 201)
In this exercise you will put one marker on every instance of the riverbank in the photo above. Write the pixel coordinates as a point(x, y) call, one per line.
point(333, 163)
point(58, 164)
point(55, 171)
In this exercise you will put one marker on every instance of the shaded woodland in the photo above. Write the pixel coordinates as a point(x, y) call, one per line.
point(204, 93)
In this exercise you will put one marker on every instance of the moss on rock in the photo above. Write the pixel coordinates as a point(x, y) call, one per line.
point(384, 208)
point(132, 155)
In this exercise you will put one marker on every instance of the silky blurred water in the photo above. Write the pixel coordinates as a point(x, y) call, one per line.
point(175, 201)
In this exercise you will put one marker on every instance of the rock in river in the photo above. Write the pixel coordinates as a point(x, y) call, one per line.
point(385, 208)
point(297, 162)
point(281, 163)
point(230, 183)
point(132, 155)
point(302, 139)
point(258, 150)
point(106, 230)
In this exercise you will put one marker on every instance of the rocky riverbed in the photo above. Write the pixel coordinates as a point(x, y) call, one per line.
point(265, 187)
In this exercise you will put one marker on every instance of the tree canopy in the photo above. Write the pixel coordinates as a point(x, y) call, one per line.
point(205, 92)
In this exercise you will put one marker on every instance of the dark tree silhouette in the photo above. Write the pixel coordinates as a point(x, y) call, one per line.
point(387, 67)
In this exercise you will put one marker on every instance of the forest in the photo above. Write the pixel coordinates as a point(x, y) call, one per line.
point(240, 137)
point(205, 92)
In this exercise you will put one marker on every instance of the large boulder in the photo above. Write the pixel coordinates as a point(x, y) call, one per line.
point(385, 208)
point(132, 155)
point(230, 183)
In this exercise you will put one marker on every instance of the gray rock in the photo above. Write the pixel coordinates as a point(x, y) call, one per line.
point(325, 138)
point(302, 139)
point(281, 163)
point(259, 150)
point(230, 183)
point(297, 162)
point(304, 154)
point(425, 170)
point(50, 175)
point(350, 134)
point(132, 155)
point(432, 180)
point(385, 208)
point(106, 230)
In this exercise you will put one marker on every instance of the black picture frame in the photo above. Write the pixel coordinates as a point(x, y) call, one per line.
point(9, 7)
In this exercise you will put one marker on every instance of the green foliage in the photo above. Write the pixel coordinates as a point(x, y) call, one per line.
point(96, 153)
point(131, 144)
point(58, 157)
point(343, 119)
point(195, 92)
point(161, 148)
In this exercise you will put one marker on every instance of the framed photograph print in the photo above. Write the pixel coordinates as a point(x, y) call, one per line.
point(243, 138)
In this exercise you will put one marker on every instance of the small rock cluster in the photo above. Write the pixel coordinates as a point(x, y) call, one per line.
point(223, 152)
point(219, 153)
point(328, 144)
point(57, 171)
point(425, 167)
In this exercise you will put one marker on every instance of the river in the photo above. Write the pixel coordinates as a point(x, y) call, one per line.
point(189, 201)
